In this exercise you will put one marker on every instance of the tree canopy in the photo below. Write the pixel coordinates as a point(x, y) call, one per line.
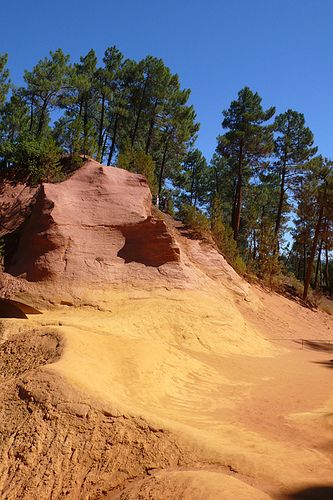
point(263, 175)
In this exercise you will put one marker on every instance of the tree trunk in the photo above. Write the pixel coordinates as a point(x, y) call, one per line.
point(113, 140)
point(327, 275)
point(139, 113)
point(100, 138)
point(160, 182)
point(313, 251)
point(283, 178)
point(104, 146)
point(318, 262)
point(85, 132)
point(238, 197)
point(41, 119)
point(233, 215)
point(151, 128)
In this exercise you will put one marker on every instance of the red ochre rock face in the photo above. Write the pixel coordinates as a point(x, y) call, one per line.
point(90, 226)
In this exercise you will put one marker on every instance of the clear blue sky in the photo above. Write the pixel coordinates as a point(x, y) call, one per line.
point(281, 49)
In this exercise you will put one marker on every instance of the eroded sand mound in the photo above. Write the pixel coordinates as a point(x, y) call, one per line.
point(171, 379)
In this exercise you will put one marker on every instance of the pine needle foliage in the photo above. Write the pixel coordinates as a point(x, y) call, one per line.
point(195, 220)
point(138, 162)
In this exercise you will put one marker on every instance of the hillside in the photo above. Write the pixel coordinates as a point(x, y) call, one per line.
point(151, 377)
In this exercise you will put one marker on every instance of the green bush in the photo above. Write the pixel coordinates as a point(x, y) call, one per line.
point(35, 160)
point(195, 219)
point(138, 162)
point(224, 237)
point(269, 266)
point(170, 208)
point(70, 163)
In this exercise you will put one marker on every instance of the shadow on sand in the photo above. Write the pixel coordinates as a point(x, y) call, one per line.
point(314, 493)
point(316, 345)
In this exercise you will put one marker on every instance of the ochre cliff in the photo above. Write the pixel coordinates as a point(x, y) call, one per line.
point(135, 362)
point(88, 226)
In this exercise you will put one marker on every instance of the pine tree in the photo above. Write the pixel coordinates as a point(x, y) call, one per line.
point(5, 83)
point(292, 149)
point(246, 142)
point(193, 179)
point(319, 180)
point(45, 84)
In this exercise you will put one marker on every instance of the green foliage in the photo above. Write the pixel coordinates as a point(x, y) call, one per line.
point(195, 219)
point(14, 118)
point(247, 143)
point(138, 162)
point(5, 83)
point(193, 179)
point(70, 163)
point(239, 265)
point(88, 140)
point(170, 209)
point(76, 137)
point(222, 181)
point(36, 160)
point(223, 235)
point(269, 265)
point(45, 85)
point(102, 106)
point(214, 228)
point(138, 112)
point(292, 149)
point(126, 157)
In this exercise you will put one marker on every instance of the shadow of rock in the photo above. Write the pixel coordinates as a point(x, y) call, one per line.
point(14, 309)
point(149, 243)
point(9, 310)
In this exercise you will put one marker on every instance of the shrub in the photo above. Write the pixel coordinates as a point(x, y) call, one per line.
point(70, 163)
point(170, 208)
point(138, 162)
point(224, 237)
point(195, 219)
point(35, 160)
point(269, 265)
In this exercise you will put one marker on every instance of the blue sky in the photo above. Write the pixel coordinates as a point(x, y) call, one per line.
point(281, 49)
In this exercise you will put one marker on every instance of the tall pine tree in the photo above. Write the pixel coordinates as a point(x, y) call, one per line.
point(246, 142)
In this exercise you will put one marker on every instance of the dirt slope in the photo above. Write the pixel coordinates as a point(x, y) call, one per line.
point(180, 382)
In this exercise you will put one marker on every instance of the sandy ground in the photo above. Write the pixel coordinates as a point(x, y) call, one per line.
point(242, 381)
point(224, 373)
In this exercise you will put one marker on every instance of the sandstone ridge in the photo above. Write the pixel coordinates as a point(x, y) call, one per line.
point(89, 226)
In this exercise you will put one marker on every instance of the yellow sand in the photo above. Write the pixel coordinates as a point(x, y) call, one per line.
point(190, 362)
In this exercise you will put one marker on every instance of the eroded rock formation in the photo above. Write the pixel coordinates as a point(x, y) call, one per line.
point(151, 372)
point(89, 226)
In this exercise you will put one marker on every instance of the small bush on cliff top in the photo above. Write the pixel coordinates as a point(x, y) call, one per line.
point(32, 160)
point(138, 162)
